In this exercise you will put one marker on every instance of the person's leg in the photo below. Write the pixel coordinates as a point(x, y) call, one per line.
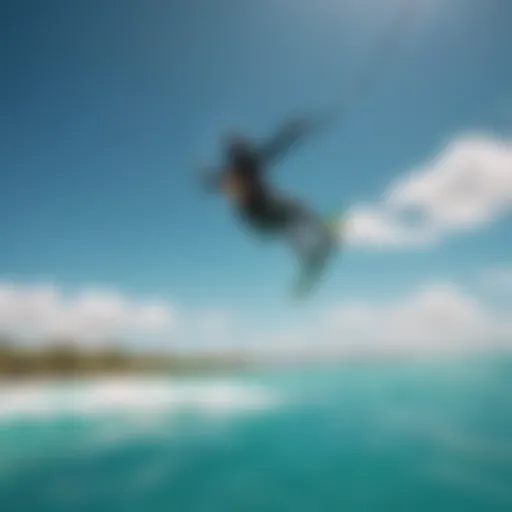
point(306, 231)
point(313, 242)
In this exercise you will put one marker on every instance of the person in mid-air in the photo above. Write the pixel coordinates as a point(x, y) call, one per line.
point(243, 178)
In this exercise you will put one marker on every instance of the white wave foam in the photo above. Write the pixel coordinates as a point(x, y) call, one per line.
point(128, 396)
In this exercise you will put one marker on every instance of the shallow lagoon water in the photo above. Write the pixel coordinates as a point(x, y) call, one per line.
point(423, 436)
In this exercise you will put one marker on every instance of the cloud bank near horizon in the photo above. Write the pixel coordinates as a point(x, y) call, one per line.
point(435, 317)
point(41, 311)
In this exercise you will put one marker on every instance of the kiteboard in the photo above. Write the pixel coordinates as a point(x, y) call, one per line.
point(310, 276)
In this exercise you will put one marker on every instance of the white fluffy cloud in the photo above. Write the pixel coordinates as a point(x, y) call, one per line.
point(210, 329)
point(437, 317)
point(39, 311)
point(464, 188)
point(375, 226)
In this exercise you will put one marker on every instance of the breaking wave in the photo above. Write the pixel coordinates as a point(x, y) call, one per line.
point(44, 400)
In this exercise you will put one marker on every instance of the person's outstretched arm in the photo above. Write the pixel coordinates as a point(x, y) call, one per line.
point(284, 139)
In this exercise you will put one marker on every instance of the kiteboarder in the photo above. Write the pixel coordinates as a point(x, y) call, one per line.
point(243, 178)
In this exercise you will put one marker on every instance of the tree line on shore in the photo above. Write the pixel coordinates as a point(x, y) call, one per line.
point(68, 358)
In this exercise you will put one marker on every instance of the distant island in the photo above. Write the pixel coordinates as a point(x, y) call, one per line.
point(66, 358)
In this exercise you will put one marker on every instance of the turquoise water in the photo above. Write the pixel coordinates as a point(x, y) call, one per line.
point(430, 436)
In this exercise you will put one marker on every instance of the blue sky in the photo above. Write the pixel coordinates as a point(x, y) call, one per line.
point(108, 107)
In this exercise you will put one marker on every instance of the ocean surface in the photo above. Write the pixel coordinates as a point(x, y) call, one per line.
point(376, 436)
